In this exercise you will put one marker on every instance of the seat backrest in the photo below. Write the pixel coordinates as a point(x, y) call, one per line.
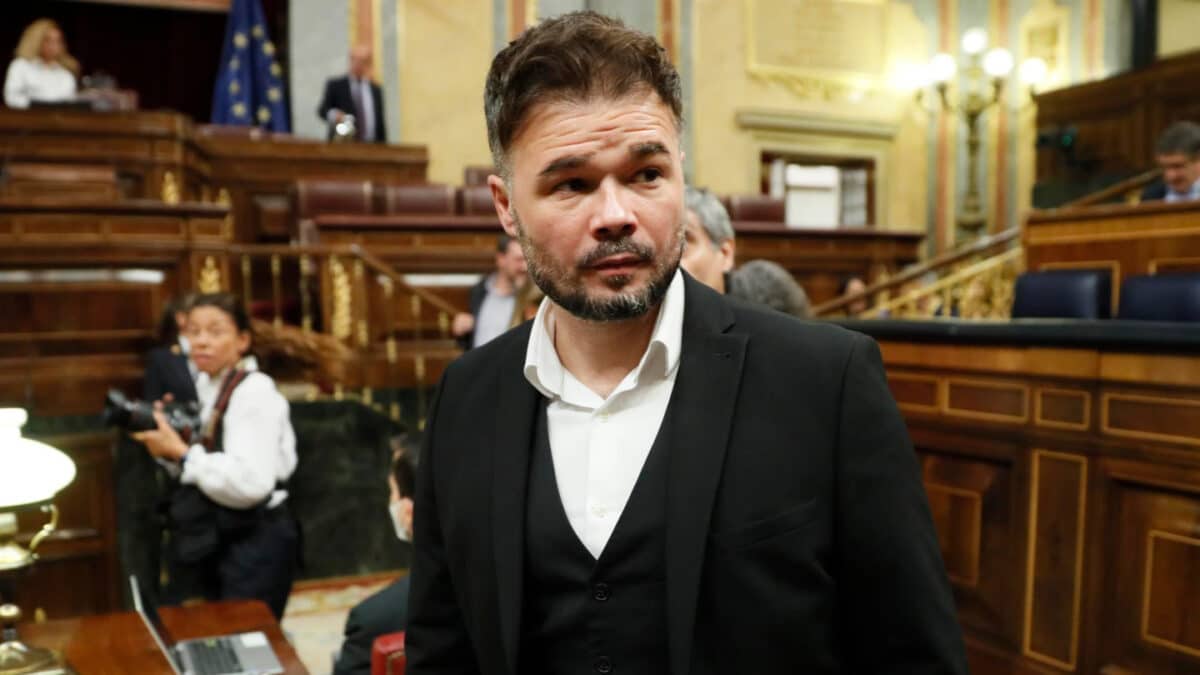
point(312, 197)
point(477, 175)
point(419, 199)
point(756, 207)
point(476, 200)
point(1161, 297)
point(1063, 294)
point(387, 654)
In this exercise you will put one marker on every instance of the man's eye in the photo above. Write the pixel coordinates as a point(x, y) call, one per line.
point(571, 185)
point(649, 175)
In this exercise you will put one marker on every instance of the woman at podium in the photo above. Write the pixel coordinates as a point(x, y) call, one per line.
point(42, 71)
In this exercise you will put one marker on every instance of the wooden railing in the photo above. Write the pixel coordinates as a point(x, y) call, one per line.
point(879, 293)
point(1128, 191)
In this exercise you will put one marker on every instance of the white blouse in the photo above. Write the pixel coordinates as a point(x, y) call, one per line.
point(35, 80)
point(259, 446)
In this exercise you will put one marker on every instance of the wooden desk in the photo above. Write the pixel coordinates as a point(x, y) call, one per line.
point(1062, 468)
point(119, 644)
point(1149, 238)
point(256, 169)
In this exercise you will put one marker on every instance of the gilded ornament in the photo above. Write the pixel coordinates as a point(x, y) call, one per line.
point(170, 188)
point(210, 276)
point(340, 320)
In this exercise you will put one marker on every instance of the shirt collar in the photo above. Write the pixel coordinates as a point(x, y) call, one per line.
point(1193, 193)
point(545, 371)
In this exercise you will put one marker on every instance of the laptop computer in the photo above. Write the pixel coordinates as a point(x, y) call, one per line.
point(243, 654)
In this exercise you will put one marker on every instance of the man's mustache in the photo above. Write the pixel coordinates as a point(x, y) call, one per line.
point(607, 249)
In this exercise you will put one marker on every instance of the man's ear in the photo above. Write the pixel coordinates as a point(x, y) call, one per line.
point(728, 250)
point(503, 203)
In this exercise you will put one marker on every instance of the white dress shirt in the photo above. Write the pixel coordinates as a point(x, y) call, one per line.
point(258, 445)
point(367, 101)
point(495, 314)
point(599, 445)
point(35, 80)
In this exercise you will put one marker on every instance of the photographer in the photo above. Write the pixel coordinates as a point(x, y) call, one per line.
point(231, 531)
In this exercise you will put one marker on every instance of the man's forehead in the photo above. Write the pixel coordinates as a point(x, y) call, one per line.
point(631, 120)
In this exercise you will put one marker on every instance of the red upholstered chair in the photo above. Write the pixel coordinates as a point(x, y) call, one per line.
point(315, 196)
point(424, 199)
point(476, 200)
point(477, 175)
point(387, 655)
point(756, 207)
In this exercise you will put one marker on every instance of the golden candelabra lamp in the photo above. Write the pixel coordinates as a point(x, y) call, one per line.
point(31, 474)
point(981, 80)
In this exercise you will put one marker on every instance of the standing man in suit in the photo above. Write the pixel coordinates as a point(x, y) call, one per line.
point(1178, 155)
point(355, 94)
point(649, 478)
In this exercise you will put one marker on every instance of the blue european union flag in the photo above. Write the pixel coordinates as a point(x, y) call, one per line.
point(249, 87)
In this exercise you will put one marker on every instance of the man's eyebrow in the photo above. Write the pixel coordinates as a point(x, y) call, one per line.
point(565, 163)
point(642, 150)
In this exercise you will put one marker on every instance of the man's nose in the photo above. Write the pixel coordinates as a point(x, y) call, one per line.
point(613, 219)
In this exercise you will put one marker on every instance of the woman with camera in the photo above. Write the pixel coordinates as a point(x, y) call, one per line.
point(231, 531)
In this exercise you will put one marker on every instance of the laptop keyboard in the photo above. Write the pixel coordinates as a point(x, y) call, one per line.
point(213, 657)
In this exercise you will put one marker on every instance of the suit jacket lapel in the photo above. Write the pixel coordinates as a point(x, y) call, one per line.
point(511, 438)
point(710, 371)
point(183, 376)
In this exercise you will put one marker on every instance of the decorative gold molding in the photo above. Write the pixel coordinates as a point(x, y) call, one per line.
point(792, 122)
point(1073, 426)
point(340, 280)
point(170, 188)
point(225, 200)
point(986, 384)
point(1107, 398)
point(1146, 587)
point(1155, 262)
point(209, 279)
point(1077, 599)
point(938, 395)
point(812, 82)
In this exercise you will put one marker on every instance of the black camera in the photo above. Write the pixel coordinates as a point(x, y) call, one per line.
point(136, 415)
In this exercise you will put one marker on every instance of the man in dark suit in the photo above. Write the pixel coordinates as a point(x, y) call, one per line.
point(1178, 155)
point(355, 94)
point(649, 477)
point(385, 611)
point(491, 303)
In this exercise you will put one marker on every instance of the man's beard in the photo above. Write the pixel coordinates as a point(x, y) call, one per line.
point(566, 289)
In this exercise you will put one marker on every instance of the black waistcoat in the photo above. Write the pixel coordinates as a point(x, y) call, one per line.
point(583, 615)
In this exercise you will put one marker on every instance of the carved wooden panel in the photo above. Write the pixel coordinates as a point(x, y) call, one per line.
point(1170, 419)
point(1054, 573)
point(987, 400)
point(1153, 577)
point(973, 507)
point(1063, 409)
point(915, 392)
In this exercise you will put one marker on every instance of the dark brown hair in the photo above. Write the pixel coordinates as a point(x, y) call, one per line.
point(1181, 138)
point(576, 56)
point(228, 303)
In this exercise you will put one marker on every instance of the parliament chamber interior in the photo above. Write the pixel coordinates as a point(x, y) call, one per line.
point(1003, 194)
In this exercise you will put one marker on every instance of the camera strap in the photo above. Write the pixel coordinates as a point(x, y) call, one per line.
point(231, 381)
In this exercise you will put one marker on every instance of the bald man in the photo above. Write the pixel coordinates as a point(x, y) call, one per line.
point(355, 94)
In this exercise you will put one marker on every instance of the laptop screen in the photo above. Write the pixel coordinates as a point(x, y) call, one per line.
point(149, 613)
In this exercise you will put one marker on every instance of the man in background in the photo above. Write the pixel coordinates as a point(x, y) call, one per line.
point(1178, 155)
point(708, 235)
point(355, 94)
point(385, 611)
point(494, 299)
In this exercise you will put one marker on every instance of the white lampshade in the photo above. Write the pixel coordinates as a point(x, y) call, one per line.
point(998, 62)
point(30, 472)
point(974, 41)
point(1033, 71)
point(942, 68)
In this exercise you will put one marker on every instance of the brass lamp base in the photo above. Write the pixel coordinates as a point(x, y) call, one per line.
point(17, 658)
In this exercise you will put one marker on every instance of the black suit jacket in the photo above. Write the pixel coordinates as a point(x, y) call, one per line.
point(337, 95)
point(379, 614)
point(167, 372)
point(798, 536)
point(1155, 191)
